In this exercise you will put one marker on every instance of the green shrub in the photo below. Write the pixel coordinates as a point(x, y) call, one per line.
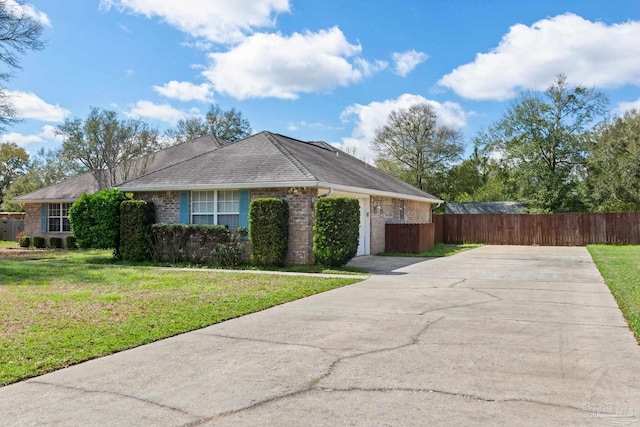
point(336, 230)
point(200, 244)
point(269, 231)
point(136, 217)
point(24, 241)
point(55, 242)
point(95, 220)
point(71, 242)
point(39, 242)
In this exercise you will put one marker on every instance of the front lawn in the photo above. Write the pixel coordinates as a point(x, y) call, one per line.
point(620, 267)
point(439, 250)
point(72, 308)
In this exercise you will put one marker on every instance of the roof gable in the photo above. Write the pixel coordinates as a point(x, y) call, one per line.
point(72, 188)
point(268, 159)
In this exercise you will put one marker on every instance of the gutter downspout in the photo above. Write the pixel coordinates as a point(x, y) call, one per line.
point(328, 194)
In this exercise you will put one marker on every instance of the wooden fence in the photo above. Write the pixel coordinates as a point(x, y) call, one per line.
point(571, 229)
point(409, 238)
point(10, 227)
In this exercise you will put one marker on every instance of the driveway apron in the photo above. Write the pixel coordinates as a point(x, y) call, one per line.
point(500, 335)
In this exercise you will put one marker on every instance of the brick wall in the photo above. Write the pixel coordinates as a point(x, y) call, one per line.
point(300, 220)
point(389, 210)
point(32, 224)
point(167, 205)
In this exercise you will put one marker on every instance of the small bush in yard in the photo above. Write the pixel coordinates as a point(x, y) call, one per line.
point(39, 242)
point(55, 242)
point(136, 218)
point(269, 231)
point(24, 241)
point(71, 242)
point(336, 230)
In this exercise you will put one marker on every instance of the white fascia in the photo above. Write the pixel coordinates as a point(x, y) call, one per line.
point(245, 185)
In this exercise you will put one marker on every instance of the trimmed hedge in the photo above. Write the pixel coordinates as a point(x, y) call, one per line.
point(95, 220)
point(39, 242)
point(55, 242)
point(71, 242)
point(200, 244)
point(336, 230)
point(24, 241)
point(136, 218)
point(269, 231)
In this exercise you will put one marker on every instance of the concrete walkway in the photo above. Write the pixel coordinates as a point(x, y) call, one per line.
point(494, 336)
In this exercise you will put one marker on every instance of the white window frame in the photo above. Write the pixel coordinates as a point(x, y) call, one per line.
point(61, 209)
point(215, 213)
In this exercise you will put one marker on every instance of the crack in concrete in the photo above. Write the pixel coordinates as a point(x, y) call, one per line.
point(453, 394)
point(114, 393)
point(326, 350)
point(453, 285)
point(464, 305)
point(312, 384)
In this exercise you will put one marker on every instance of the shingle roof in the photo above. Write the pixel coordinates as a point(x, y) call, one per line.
point(266, 158)
point(485, 208)
point(70, 189)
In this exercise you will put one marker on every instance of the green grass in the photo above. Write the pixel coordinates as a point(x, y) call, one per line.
point(439, 250)
point(105, 257)
point(8, 244)
point(67, 310)
point(620, 267)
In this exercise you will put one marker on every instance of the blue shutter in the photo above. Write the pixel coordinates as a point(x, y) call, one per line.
point(43, 217)
point(245, 199)
point(183, 215)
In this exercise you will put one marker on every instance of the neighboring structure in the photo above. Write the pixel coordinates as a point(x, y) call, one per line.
point(485, 208)
point(216, 187)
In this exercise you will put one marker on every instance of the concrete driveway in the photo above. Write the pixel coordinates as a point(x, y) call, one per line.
point(495, 336)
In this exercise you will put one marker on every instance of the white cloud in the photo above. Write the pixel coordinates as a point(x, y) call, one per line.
point(48, 134)
point(186, 91)
point(373, 116)
point(370, 68)
point(628, 106)
point(405, 62)
point(271, 65)
point(589, 53)
point(220, 21)
point(28, 10)
point(162, 112)
point(29, 106)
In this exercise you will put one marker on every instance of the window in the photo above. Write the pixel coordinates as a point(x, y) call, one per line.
point(401, 209)
point(59, 217)
point(216, 208)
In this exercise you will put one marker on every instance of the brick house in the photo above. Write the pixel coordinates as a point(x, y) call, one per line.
point(212, 182)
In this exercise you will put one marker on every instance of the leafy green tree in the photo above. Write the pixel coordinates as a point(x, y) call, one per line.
point(229, 125)
point(13, 164)
point(46, 167)
point(542, 142)
point(614, 166)
point(113, 150)
point(413, 148)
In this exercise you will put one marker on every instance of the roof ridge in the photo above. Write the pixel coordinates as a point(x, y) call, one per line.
point(297, 163)
point(182, 161)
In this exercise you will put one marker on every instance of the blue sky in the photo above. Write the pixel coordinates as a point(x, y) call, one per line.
point(317, 70)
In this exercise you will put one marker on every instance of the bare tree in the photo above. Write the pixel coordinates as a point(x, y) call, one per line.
point(229, 125)
point(112, 150)
point(19, 33)
point(412, 147)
